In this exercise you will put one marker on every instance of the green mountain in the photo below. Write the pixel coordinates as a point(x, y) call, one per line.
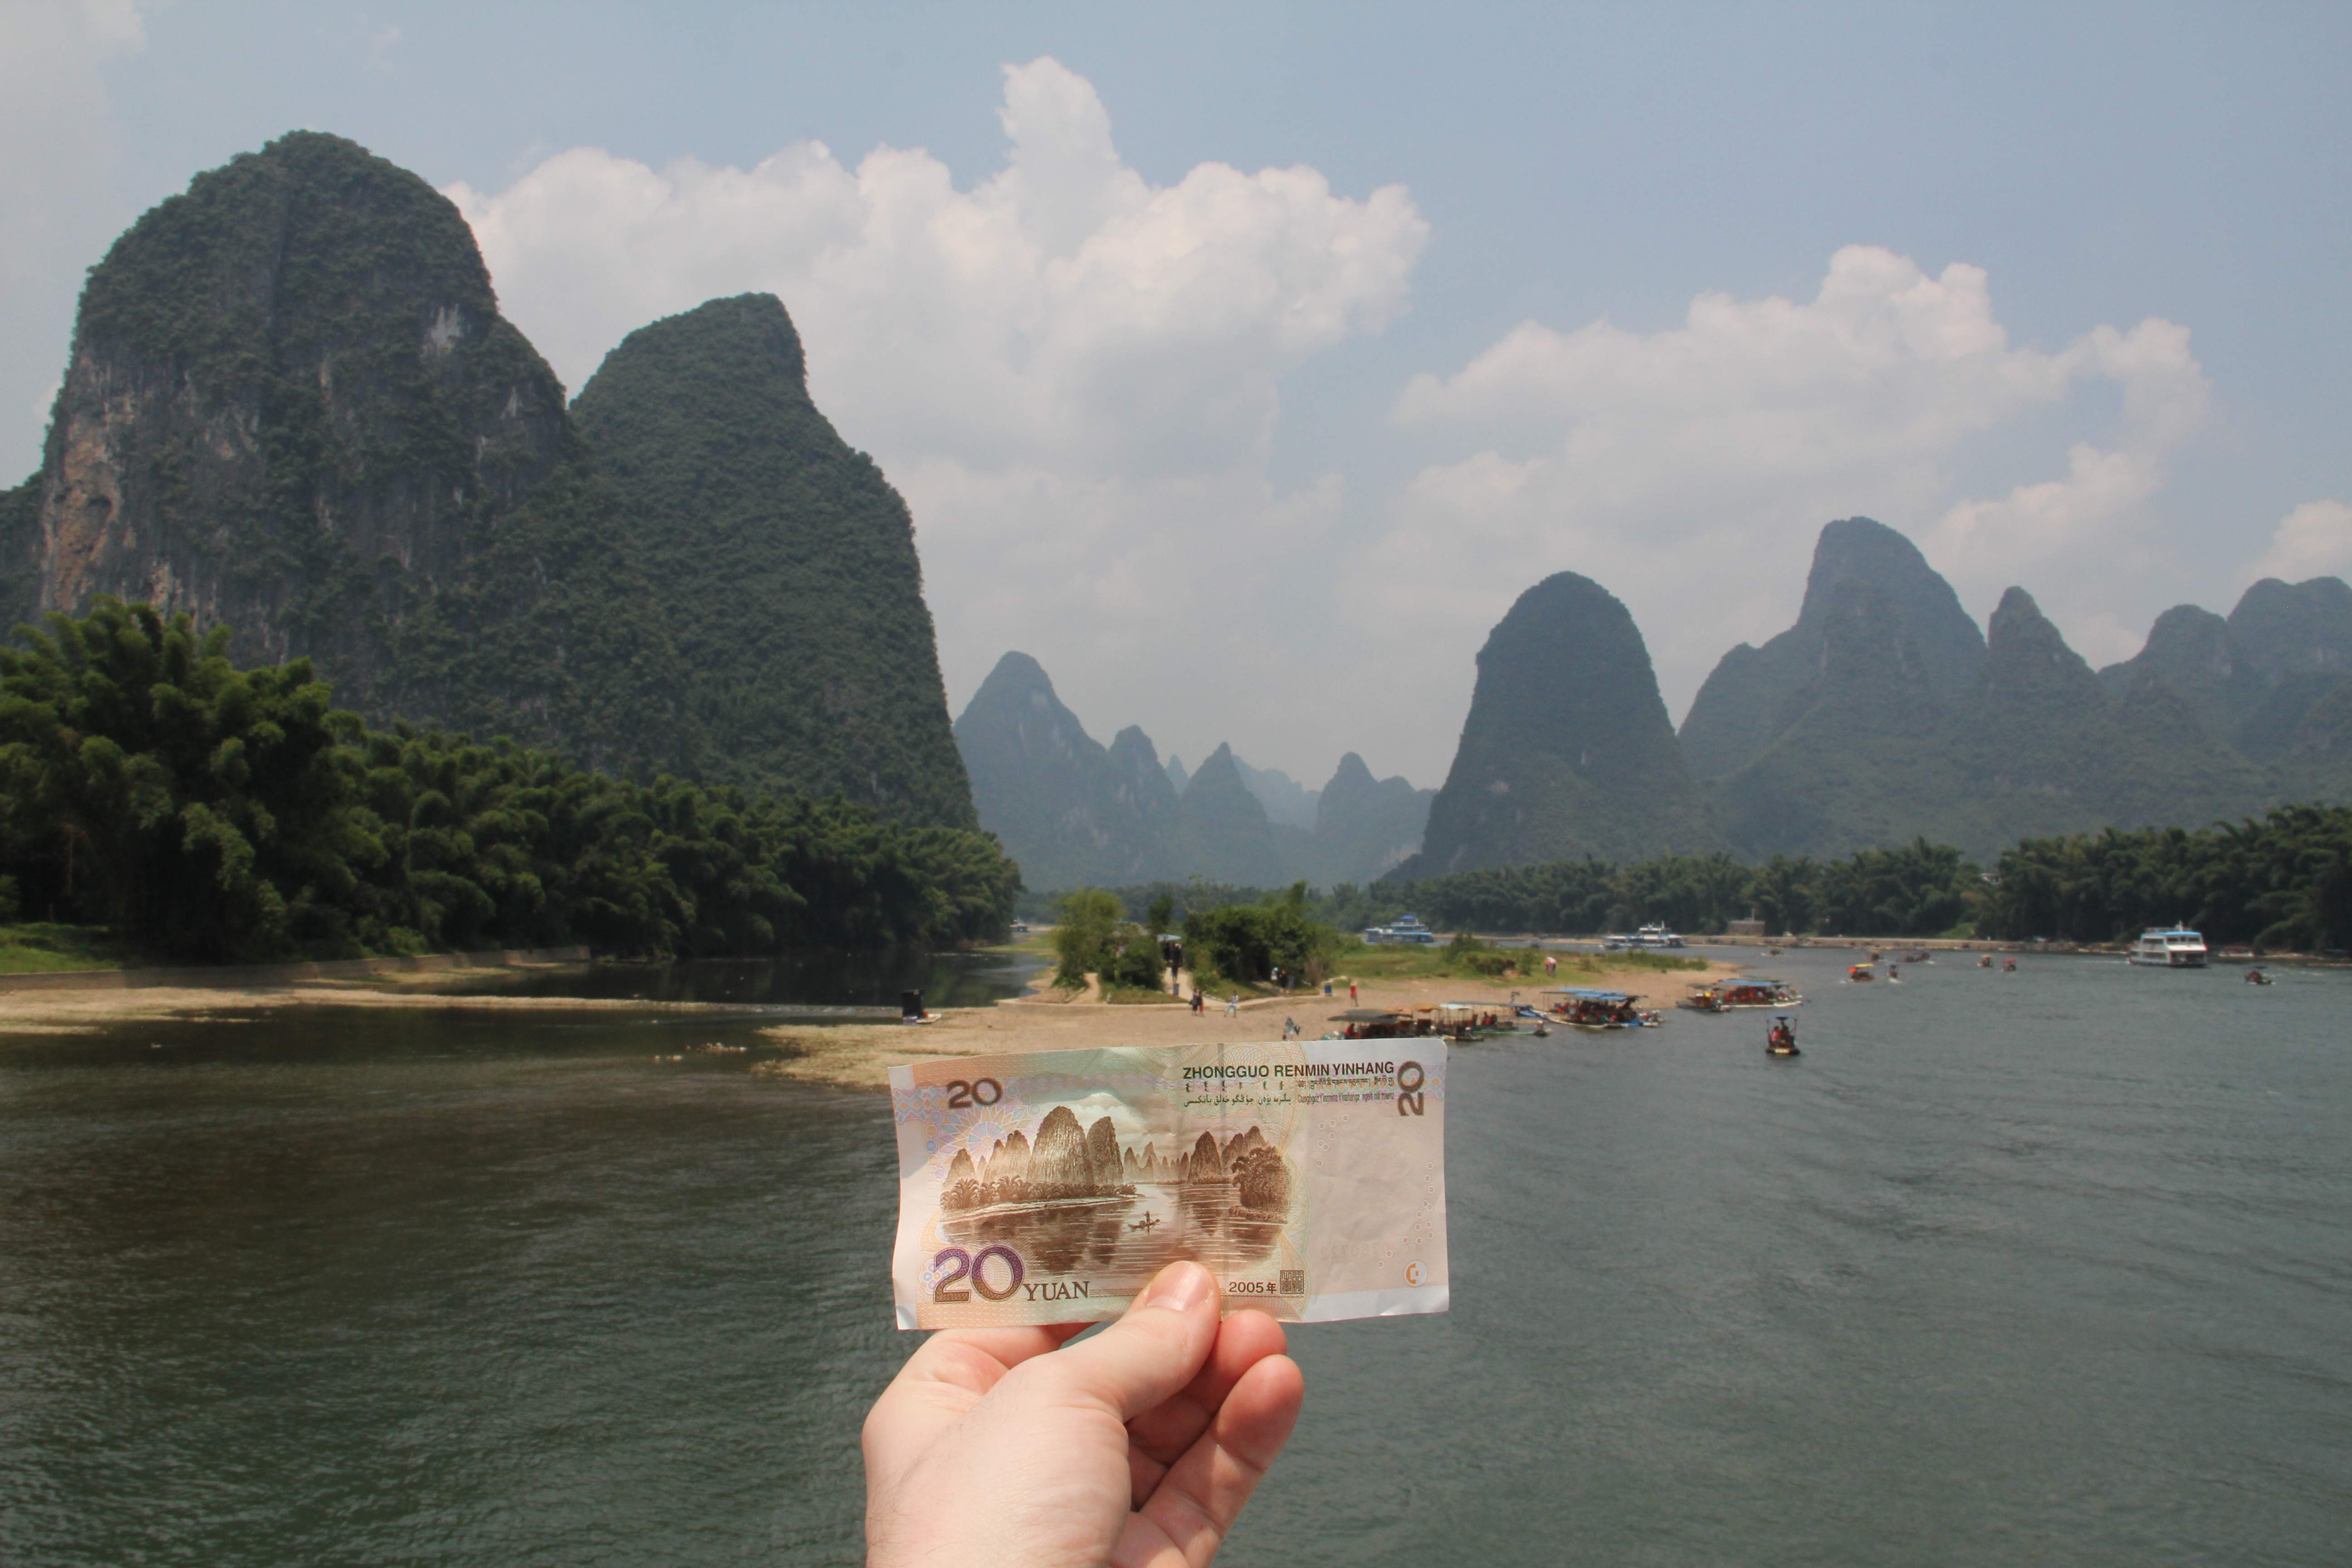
point(1882, 722)
point(1756, 694)
point(781, 562)
point(2252, 677)
point(1567, 751)
point(293, 409)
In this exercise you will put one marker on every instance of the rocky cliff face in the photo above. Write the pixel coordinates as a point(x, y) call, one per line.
point(1567, 751)
point(781, 562)
point(293, 406)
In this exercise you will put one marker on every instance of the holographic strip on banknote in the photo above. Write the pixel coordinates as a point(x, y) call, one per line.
point(1050, 1186)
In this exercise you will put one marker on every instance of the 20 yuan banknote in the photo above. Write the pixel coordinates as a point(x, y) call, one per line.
point(1049, 1187)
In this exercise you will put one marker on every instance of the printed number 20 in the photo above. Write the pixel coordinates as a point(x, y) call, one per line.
point(1410, 1078)
point(973, 1268)
point(962, 1095)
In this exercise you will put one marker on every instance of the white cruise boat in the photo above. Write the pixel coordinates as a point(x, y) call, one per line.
point(1649, 936)
point(1407, 929)
point(2176, 948)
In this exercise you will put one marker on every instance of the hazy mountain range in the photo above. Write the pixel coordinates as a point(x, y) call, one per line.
point(1074, 812)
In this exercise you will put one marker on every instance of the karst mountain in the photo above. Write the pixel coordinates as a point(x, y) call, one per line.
point(292, 407)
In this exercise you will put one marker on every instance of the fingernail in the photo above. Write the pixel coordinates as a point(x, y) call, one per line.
point(1181, 1286)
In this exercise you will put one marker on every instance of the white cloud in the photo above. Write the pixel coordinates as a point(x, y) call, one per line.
point(2314, 540)
point(1689, 469)
point(1071, 373)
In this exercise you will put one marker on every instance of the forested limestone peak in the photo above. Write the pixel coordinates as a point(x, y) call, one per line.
point(293, 409)
point(1754, 694)
point(1567, 750)
point(782, 562)
point(2296, 628)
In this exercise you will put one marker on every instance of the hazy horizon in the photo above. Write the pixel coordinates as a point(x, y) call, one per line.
point(1244, 366)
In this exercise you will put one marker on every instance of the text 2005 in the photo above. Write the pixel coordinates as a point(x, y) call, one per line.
point(1250, 1287)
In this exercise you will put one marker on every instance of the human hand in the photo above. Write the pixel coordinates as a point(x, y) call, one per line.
point(1136, 1448)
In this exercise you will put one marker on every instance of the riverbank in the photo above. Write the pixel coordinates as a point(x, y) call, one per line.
point(860, 1056)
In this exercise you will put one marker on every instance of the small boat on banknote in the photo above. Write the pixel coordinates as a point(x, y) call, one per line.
point(1780, 1039)
point(1146, 1223)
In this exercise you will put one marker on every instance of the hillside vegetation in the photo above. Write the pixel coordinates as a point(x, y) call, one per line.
point(198, 810)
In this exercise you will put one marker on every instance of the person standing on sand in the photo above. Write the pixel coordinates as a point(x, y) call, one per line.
point(1196, 1001)
point(1233, 1005)
point(1351, 993)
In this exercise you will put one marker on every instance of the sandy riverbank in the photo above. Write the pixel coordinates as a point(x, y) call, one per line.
point(860, 1056)
point(81, 1011)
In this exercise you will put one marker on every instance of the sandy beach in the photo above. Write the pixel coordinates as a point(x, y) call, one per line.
point(860, 1056)
point(854, 1056)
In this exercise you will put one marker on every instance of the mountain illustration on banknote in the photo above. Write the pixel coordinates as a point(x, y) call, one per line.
point(1074, 1196)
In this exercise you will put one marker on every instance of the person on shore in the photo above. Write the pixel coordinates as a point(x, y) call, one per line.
point(1233, 1005)
point(1139, 1445)
point(1289, 1027)
point(1351, 993)
point(1196, 1001)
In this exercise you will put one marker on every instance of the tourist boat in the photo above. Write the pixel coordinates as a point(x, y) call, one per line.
point(2256, 977)
point(1647, 937)
point(1744, 992)
point(1379, 1024)
point(2176, 948)
point(1405, 930)
point(1780, 1039)
point(1861, 973)
point(1474, 1020)
point(1590, 1009)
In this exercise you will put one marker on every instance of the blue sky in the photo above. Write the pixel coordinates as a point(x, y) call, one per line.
point(2058, 291)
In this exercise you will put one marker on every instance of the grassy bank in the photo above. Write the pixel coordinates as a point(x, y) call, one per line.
point(38, 946)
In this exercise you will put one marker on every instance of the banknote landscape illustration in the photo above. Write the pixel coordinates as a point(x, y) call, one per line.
point(1052, 1187)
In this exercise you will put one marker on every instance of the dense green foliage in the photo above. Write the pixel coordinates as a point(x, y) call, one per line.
point(1921, 889)
point(149, 785)
point(1245, 943)
point(1091, 937)
point(2282, 881)
point(781, 563)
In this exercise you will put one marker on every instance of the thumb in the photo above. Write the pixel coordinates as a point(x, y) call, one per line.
point(1151, 1352)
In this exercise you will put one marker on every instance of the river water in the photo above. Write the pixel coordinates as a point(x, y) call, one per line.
point(2051, 1267)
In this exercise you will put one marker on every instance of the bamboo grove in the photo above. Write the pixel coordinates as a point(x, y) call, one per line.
point(206, 812)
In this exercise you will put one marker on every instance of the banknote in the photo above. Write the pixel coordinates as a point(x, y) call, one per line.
point(1050, 1186)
